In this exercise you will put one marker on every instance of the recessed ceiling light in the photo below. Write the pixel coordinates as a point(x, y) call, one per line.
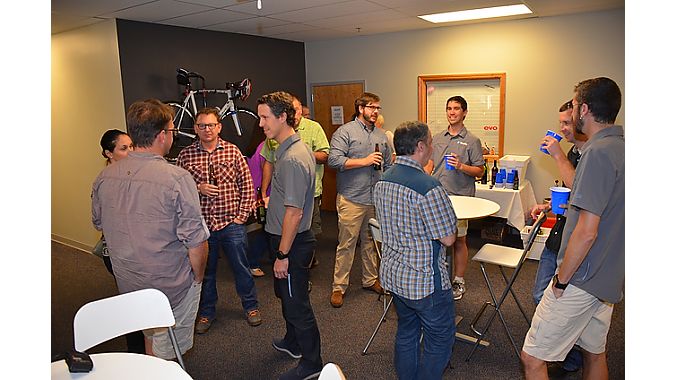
point(475, 14)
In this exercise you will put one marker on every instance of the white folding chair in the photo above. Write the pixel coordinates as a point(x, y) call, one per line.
point(331, 371)
point(374, 227)
point(108, 318)
point(503, 257)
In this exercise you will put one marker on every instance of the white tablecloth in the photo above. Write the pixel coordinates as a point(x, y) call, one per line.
point(123, 366)
point(515, 205)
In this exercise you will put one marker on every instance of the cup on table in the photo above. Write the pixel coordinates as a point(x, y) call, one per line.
point(560, 197)
point(448, 165)
point(555, 135)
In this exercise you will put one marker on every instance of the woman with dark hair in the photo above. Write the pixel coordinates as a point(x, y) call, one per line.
point(115, 145)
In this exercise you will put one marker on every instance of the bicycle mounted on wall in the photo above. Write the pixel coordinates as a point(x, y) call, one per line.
point(233, 118)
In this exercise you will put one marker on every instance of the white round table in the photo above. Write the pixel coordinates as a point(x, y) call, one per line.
point(122, 365)
point(473, 207)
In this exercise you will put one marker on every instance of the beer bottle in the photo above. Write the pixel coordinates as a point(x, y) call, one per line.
point(516, 180)
point(377, 166)
point(260, 207)
point(212, 176)
point(484, 177)
point(494, 172)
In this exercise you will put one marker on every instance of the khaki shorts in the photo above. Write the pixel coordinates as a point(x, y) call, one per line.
point(184, 329)
point(462, 227)
point(576, 318)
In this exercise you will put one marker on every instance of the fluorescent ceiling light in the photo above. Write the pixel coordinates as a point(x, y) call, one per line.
point(474, 14)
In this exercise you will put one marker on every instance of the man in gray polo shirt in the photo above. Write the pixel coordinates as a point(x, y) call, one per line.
point(467, 161)
point(577, 307)
point(288, 222)
point(359, 166)
point(150, 214)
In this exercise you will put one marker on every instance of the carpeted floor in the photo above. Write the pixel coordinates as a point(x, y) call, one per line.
point(233, 350)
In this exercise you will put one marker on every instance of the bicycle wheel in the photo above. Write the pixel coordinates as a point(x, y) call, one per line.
point(183, 122)
point(251, 136)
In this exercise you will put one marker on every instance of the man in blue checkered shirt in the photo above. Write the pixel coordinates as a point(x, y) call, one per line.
point(417, 221)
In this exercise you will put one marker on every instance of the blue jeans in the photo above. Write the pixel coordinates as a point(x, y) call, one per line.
point(233, 240)
point(435, 315)
point(258, 248)
point(546, 270)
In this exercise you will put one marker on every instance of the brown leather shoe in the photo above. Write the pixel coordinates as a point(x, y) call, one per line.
point(336, 298)
point(375, 287)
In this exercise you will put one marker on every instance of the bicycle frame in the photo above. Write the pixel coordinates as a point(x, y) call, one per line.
point(190, 105)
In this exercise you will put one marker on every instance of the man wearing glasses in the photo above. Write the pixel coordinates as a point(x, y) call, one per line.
point(227, 197)
point(149, 212)
point(360, 153)
point(462, 151)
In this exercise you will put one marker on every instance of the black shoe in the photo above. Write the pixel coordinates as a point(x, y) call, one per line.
point(299, 373)
point(281, 346)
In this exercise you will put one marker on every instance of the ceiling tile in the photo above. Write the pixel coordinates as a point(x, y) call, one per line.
point(210, 17)
point(158, 10)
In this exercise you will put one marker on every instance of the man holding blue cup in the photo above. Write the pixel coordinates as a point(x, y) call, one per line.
point(590, 272)
point(457, 161)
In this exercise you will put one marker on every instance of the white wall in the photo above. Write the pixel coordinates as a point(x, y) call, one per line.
point(542, 57)
point(86, 101)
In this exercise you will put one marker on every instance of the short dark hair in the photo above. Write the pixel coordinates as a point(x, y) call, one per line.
point(566, 106)
point(364, 99)
point(459, 99)
point(603, 97)
point(280, 102)
point(208, 111)
point(146, 119)
point(109, 140)
point(407, 135)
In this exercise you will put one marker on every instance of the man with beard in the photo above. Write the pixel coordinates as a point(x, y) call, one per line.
point(359, 152)
point(577, 307)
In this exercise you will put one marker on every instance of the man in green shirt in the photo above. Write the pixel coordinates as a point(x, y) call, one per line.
point(312, 134)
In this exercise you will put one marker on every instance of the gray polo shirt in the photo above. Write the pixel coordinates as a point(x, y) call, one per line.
point(599, 189)
point(293, 184)
point(467, 147)
point(356, 140)
point(149, 212)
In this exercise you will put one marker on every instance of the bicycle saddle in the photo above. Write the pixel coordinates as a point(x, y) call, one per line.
point(182, 77)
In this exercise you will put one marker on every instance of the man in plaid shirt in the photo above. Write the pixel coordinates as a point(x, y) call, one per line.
point(226, 197)
point(417, 222)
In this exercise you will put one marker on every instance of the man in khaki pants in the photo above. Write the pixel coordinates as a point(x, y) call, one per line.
point(359, 166)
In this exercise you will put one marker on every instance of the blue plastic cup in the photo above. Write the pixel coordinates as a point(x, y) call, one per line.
point(555, 135)
point(560, 197)
point(510, 177)
point(448, 166)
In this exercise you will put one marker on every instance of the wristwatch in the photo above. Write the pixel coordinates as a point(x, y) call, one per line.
point(558, 284)
point(281, 256)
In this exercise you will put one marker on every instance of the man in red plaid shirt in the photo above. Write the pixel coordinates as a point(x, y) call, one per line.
point(227, 197)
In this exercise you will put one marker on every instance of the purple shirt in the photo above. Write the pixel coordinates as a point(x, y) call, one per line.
point(256, 167)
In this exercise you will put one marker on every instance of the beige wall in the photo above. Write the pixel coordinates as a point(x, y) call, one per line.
point(542, 57)
point(86, 101)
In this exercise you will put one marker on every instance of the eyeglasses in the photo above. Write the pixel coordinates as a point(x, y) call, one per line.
point(205, 126)
point(173, 131)
point(377, 108)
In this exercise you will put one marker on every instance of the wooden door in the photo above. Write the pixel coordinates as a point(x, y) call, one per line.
point(323, 97)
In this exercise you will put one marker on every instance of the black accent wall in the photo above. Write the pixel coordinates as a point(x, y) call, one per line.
point(151, 53)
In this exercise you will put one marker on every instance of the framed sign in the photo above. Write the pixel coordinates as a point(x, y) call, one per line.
point(485, 95)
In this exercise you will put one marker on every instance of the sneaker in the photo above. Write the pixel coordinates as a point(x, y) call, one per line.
point(281, 346)
point(253, 317)
point(257, 272)
point(299, 373)
point(375, 287)
point(202, 325)
point(458, 289)
point(337, 298)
